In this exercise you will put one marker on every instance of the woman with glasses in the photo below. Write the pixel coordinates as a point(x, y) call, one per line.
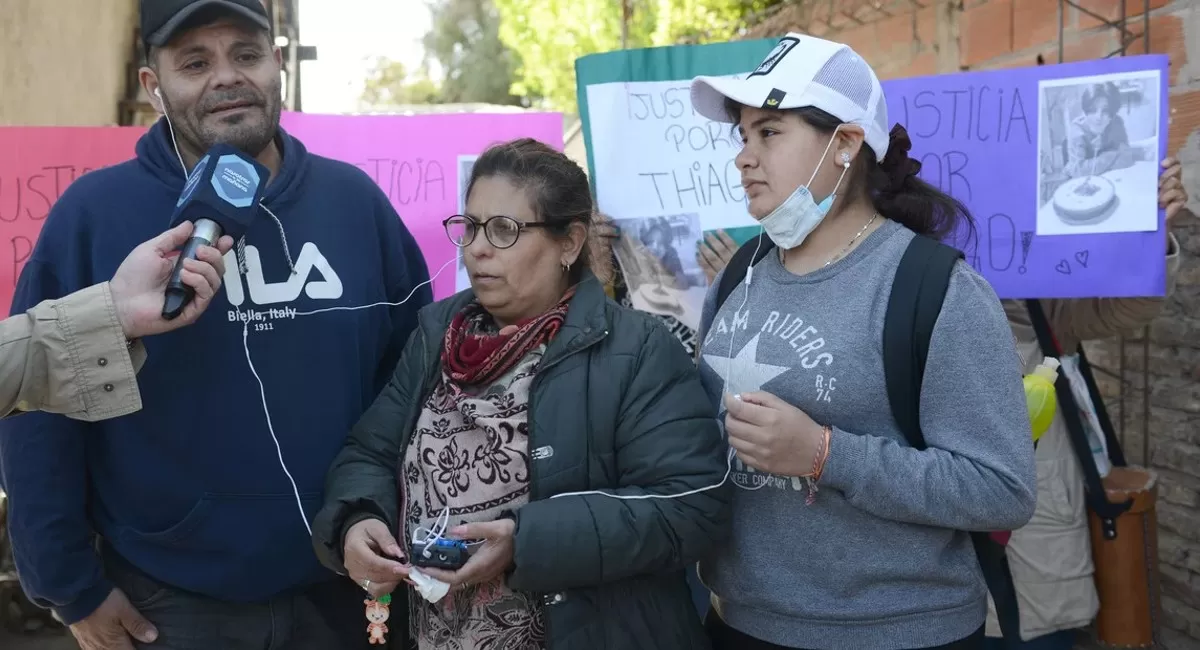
point(565, 439)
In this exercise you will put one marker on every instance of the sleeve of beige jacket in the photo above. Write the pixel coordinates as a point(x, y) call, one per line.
point(1088, 319)
point(1075, 320)
point(69, 356)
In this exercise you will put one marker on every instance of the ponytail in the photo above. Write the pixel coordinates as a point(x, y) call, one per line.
point(902, 196)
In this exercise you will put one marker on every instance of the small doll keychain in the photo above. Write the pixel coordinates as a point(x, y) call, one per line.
point(378, 612)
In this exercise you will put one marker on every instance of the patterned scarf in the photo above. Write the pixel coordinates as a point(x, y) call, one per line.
point(475, 355)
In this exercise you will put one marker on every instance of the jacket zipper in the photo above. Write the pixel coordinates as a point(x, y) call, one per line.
point(413, 416)
point(415, 412)
point(537, 381)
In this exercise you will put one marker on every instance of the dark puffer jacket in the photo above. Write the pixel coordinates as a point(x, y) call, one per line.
point(617, 406)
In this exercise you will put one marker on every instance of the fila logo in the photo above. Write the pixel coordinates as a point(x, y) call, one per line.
point(328, 287)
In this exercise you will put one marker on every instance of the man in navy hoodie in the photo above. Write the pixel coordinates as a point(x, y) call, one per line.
point(179, 526)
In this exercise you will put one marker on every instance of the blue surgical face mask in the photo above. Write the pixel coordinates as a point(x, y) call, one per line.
point(789, 224)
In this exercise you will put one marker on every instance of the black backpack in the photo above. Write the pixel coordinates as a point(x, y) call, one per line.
point(913, 307)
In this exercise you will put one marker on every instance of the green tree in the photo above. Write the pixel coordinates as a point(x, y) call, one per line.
point(389, 83)
point(464, 45)
point(464, 40)
point(549, 35)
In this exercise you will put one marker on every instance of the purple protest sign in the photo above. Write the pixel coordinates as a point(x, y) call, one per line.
point(1059, 165)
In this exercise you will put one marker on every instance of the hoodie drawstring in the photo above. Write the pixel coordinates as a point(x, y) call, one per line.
point(241, 245)
point(241, 256)
point(282, 237)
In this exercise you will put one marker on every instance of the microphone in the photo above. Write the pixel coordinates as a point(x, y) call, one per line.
point(221, 198)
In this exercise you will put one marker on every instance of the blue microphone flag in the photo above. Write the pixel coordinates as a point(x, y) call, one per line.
point(225, 186)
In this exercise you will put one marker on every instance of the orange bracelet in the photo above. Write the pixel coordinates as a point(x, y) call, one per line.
point(822, 454)
point(818, 466)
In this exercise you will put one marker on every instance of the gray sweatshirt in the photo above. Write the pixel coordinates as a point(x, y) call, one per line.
point(878, 561)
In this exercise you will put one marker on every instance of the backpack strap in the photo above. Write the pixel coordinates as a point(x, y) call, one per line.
point(746, 256)
point(1097, 497)
point(918, 291)
point(993, 562)
point(913, 308)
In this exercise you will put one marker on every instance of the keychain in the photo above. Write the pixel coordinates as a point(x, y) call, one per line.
point(378, 612)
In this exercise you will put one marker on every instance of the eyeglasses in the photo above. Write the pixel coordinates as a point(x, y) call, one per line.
point(501, 231)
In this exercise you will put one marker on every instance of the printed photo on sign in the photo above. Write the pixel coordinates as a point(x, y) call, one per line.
point(1098, 144)
point(658, 260)
point(465, 165)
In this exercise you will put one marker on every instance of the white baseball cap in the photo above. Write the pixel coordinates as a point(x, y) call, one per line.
point(804, 71)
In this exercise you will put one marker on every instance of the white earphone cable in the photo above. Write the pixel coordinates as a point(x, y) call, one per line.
point(436, 533)
point(725, 378)
point(724, 388)
point(246, 342)
point(263, 391)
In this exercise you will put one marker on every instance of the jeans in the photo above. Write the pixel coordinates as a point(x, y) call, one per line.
point(321, 617)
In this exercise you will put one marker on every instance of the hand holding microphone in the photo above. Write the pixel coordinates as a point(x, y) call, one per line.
point(138, 285)
point(221, 199)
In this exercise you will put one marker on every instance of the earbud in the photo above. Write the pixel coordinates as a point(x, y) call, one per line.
point(158, 93)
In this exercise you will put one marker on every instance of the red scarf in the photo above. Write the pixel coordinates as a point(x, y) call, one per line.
point(473, 356)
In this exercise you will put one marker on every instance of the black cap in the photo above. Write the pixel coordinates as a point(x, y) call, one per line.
point(161, 19)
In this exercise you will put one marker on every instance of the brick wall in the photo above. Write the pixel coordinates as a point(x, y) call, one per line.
point(947, 36)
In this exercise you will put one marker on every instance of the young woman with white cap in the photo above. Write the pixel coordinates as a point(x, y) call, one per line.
point(846, 537)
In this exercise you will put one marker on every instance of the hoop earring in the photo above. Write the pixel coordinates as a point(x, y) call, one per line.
point(566, 267)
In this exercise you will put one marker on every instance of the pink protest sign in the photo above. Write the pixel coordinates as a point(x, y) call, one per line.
point(416, 160)
point(419, 161)
point(36, 166)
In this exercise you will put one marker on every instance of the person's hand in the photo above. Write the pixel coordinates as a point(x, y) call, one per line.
point(714, 253)
point(111, 625)
point(368, 553)
point(1071, 169)
point(139, 285)
point(771, 435)
point(492, 559)
point(1172, 197)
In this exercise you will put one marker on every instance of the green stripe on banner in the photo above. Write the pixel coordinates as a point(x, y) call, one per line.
point(661, 64)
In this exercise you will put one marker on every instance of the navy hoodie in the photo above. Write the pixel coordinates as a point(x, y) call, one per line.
point(190, 489)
